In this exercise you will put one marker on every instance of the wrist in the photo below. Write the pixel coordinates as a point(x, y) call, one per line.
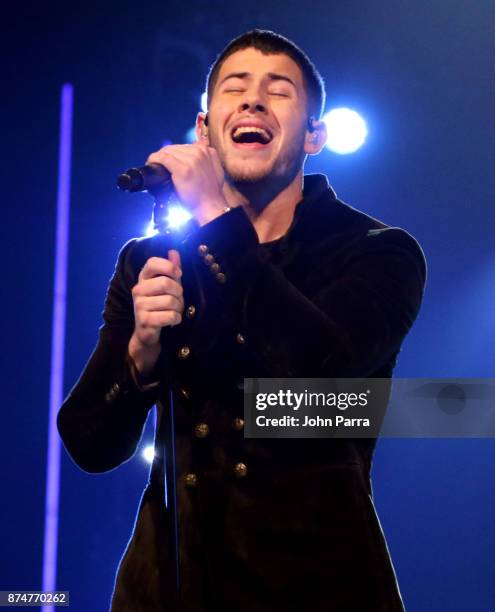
point(210, 210)
point(143, 357)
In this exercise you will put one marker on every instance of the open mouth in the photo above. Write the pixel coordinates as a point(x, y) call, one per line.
point(248, 134)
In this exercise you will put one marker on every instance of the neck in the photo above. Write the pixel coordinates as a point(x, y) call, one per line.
point(269, 206)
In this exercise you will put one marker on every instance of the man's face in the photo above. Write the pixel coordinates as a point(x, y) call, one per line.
point(257, 117)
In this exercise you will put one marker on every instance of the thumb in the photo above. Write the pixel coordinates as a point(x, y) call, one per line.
point(174, 257)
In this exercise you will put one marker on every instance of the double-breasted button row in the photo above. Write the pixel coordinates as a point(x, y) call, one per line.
point(112, 393)
point(209, 260)
point(239, 470)
point(201, 430)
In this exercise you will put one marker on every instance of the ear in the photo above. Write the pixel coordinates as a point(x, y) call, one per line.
point(201, 129)
point(316, 139)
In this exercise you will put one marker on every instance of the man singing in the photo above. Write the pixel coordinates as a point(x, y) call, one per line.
point(274, 277)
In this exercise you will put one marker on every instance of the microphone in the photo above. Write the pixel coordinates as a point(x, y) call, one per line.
point(145, 178)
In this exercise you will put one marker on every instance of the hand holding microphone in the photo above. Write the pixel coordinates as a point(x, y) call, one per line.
point(197, 176)
point(194, 171)
point(158, 302)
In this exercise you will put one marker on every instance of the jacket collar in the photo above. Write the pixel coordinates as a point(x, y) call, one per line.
point(316, 213)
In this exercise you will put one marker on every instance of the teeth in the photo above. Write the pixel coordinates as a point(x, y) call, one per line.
point(250, 129)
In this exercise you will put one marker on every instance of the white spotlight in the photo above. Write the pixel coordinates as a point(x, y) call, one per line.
point(149, 453)
point(177, 215)
point(204, 96)
point(346, 129)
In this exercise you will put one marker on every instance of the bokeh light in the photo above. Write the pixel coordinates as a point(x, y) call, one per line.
point(346, 129)
point(148, 453)
point(177, 216)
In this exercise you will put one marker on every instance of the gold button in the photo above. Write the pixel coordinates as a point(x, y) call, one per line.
point(202, 249)
point(238, 424)
point(214, 268)
point(240, 470)
point(191, 480)
point(240, 339)
point(184, 352)
point(220, 277)
point(201, 430)
point(191, 311)
point(209, 259)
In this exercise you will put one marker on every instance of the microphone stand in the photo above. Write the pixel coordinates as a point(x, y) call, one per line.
point(162, 192)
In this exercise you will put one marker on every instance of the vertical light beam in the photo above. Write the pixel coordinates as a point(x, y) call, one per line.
point(57, 349)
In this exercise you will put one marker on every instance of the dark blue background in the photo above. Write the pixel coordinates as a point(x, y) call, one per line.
point(422, 75)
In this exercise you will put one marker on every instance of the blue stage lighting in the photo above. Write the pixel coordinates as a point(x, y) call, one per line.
point(191, 135)
point(150, 230)
point(346, 129)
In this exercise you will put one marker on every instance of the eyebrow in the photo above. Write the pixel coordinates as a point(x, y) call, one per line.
point(273, 76)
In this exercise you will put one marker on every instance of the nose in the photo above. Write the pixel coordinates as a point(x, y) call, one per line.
point(252, 107)
point(253, 101)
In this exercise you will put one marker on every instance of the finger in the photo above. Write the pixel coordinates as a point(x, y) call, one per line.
point(155, 303)
point(160, 319)
point(172, 149)
point(159, 285)
point(174, 257)
point(174, 162)
point(156, 266)
point(184, 153)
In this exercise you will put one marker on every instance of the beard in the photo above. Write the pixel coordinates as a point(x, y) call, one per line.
point(242, 173)
point(281, 169)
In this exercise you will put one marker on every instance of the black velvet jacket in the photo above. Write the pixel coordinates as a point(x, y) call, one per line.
point(252, 525)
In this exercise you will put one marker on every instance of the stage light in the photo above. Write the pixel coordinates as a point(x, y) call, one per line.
point(204, 97)
point(177, 216)
point(346, 129)
point(148, 453)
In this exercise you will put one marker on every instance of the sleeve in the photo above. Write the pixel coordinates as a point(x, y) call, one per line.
point(349, 321)
point(102, 419)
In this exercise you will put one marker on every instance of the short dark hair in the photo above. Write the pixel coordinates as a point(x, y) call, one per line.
point(270, 43)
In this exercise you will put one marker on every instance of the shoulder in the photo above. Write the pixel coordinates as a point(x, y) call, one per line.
point(330, 225)
point(375, 236)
